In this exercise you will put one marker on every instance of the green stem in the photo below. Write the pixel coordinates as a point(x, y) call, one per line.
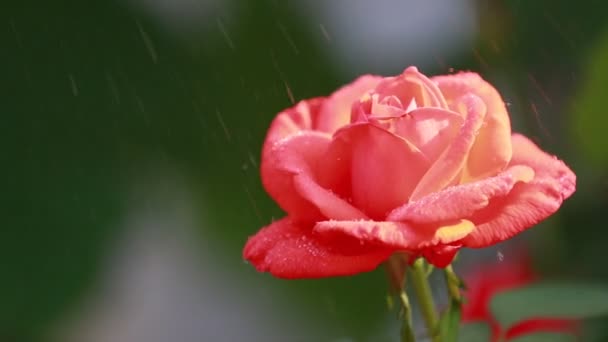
point(425, 299)
point(429, 270)
point(453, 284)
point(407, 330)
point(395, 269)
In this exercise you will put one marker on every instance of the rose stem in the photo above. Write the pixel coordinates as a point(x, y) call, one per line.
point(395, 268)
point(407, 331)
point(425, 298)
point(453, 284)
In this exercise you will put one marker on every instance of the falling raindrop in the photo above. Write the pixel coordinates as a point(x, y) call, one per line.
point(148, 42)
point(288, 38)
point(222, 28)
point(73, 84)
point(289, 93)
point(325, 33)
point(223, 124)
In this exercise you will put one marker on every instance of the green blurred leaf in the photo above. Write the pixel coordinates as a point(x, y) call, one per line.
point(545, 337)
point(474, 332)
point(555, 300)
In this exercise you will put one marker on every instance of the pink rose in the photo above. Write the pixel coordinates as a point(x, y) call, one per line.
point(403, 163)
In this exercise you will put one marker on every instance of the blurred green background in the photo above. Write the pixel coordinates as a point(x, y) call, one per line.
point(131, 135)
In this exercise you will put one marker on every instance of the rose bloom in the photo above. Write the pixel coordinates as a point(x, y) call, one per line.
point(405, 163)
point(487, 280)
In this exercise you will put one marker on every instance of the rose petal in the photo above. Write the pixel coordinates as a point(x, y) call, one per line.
point(528, 203)
point(330, 205)
point(282, 161)
point(429, 129)
point(453, 232)
point(389, 107)
point(441, 256)
point(450, 163)
point(491, 151)
point(412, 85)
point(375, 168)
point(336, 110)
point(398, 235)
point(290, 251)
point(291, 121)
point(460, 201)
point(288, 176)
point(547, 167)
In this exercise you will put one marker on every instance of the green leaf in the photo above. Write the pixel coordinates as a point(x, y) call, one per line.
point(545, 337)
point(551, 300)
point(450, 322)
point(474, 332)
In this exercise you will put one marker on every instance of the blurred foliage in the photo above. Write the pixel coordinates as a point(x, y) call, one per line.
point(474, 332)
point(546, 337)
point(95, 95)
point(589, 121)
point(550, 300)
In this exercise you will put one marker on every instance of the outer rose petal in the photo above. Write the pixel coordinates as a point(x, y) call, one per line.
point(291, 121)
point(330, 205)
point(492, 149)
point(336, 110)
point(285, 159)
point(463, 200)
point(290, 251)
point(547, 167)
point(450, 163)
point(528, 203)
point(398, 235)
point(288, 176)
point(382, 168)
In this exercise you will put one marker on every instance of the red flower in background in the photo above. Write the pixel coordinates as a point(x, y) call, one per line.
point(405, 163)
point(488, 280)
